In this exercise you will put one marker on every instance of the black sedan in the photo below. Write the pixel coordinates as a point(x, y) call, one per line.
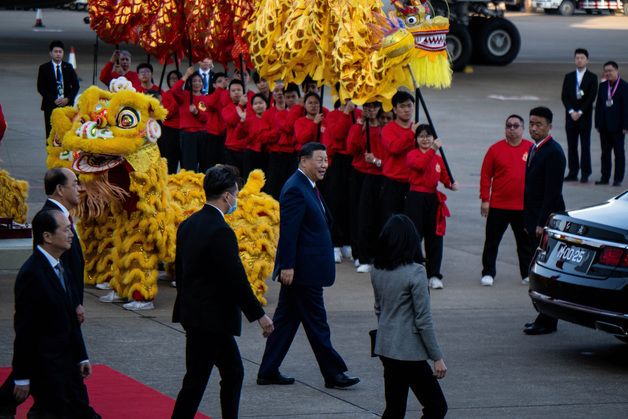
point(580, 269)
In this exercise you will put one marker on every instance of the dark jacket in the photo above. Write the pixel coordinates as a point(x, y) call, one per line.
point(304, 237)
point(47, 84)
point(614, 118)
point(585, 103)
point(72, 259)
point(543, 192)
point(47, 330)
point(212, 286)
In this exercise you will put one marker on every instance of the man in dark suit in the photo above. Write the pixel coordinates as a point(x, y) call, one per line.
point(611, 120)
point(543, 193)
point(49, 356)
point(62, 189)
point(579, 91)
point(212, 290)
point(57, 83)
point(304, 265)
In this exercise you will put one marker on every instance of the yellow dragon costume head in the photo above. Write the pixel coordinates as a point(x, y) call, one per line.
point(131, 207)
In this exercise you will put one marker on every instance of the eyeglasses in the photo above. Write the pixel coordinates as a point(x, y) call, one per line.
point(513, 126)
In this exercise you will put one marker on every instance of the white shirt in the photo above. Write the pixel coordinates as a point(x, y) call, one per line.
point(64, 210)
point(579, 76)
point(313, 186)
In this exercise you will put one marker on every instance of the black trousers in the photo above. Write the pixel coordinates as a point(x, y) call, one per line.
point(399, 376)
point(235, 159)
point(355, 190)
point(369, 218)
point(421, 207)
point(301, 305)
point(203, 350)
point(581, 130)
point(280, 167)
point(47, 114)
point(497, 222)
point(613, 143)
point(212, 152)
point(170, 147)
point(393, 197)
point(254, 160)
point(541, 319)
point(56, 395)
point(338, 198)
point(193, 147)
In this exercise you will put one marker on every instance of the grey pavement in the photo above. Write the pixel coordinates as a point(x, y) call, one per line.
point(494, 370)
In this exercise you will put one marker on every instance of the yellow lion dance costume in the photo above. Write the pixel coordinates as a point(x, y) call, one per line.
point(131, 206)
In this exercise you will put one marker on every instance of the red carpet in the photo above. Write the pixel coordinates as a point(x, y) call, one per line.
point(117, 396)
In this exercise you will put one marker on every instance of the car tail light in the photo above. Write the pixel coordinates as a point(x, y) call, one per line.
point(613, 256)
point(544, 241)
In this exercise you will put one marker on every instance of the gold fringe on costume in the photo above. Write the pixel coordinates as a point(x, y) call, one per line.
point(13, 197)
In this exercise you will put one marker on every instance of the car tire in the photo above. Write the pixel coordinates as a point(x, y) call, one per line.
point(459, 46)
point(566, 8)
point(497, 42)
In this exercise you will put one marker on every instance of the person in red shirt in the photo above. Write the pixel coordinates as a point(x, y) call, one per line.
point(425, 205)
point(258, 131)
point(282, 160)
point(234, 114)
point(145, 75)
point(365, 188)
point(311, 127)
point(119, 66)
point(502, 182)
point(215, 146)
point(192, 118)
point(398, 140)
point(168, 143)
point(340, 178)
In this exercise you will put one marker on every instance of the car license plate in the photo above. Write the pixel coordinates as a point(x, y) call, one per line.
point(572, 255)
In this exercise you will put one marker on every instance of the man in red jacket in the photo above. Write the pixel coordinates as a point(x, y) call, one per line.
point(501, 191)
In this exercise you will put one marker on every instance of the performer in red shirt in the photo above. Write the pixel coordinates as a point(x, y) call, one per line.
point(215, 147)
point(119, 66)
point(234, 114)
point(502, 183)
point(398, 140)
point(258, 131)
point(192, 118)
point(425, 205)
point(340, 179)
point(282, 160)
point(306, 128)
point(367, 164)
point(168, 143)
point(145, 76)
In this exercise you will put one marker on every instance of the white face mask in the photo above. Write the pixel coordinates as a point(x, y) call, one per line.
point(234, 207)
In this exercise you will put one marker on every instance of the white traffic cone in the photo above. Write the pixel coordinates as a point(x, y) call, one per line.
point(39, 20)
point(72, 61)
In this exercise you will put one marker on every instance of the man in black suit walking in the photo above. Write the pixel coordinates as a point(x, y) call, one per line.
point(579, 91)
point(49, 356)
point(543, 193)
point(611, 120)
point(62, 189)
point(212, 290)
point(57, 83)
point(304, 264)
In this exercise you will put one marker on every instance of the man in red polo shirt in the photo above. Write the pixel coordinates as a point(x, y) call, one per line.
point(501, 191)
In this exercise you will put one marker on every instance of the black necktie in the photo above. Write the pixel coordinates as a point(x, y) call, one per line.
point(59, 81)
point(531, 154)
point(59, 271)
point(205, 83)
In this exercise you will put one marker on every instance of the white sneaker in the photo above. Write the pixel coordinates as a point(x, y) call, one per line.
point(435, 283)
point(487, 281)
point(525, 281)
point(173, 284)
point(363, 269)
point(337, 255)
point(111, 297)
point(356, 263)
point(139, 305)
point(103, 286)
point(346, 252)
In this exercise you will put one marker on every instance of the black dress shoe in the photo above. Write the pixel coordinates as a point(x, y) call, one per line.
point(571, 178)
point(341, 380)
point(617, 183)
point(584, 179)
point(525, 326)
point(601, 182)
point(278, 379)
point(535, 329)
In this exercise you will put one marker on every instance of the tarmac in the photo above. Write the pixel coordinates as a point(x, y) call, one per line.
point(495, 371)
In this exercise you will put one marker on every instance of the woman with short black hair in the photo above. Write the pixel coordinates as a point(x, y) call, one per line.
point(402, 305)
